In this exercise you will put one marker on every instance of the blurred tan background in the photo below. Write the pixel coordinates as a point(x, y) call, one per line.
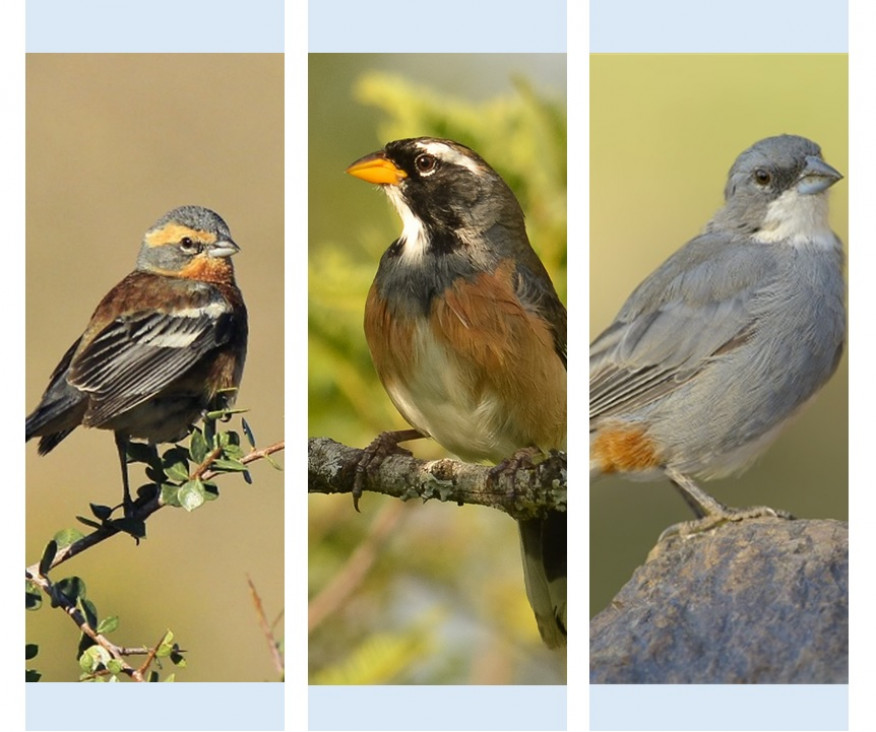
point(665, 130)
point(113, 142)
point(415, 593)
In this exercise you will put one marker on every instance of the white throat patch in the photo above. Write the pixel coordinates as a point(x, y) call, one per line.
point(414, 239)
point(798, 220)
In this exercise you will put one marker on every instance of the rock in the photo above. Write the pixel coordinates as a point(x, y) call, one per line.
point(758, 601)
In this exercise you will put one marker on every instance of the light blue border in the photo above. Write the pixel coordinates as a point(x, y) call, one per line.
point(390, 708)
point(449, 26)
point(154, 26)
point(183, 706)
point(718, 707)
point(696, 26)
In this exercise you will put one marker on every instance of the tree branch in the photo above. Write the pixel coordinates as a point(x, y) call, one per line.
point(59, 599)
point(525, 492)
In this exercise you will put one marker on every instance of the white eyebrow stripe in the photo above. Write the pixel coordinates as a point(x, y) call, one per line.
point(448, 154)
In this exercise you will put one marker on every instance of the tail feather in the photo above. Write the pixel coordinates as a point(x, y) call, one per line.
point(543, 546)
point(60, 410)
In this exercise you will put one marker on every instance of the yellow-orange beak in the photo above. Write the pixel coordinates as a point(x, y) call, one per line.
point(377, 168)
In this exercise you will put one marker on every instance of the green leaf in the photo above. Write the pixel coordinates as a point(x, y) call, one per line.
point(66, 537)
point(48, 557)
point(273, 463)
point(99, 511)
point(155, 474)
point(33, 598)
point(114, 666)
point(191, 495)
point(229, 465)
point(93, 658)
point(175, 464)
point(166, 646)
point(132, 526)
point(90, 611)
point(224, 414)
point(108, 625)
point(148, 491)
point(198, 446)
point(72, 588)
point(141, 452)
point(170, 495)
point(177, 659)
point(170, 679)
point(89, 522)
point(210, 432)
point(30, 675)
point(248, 432)
point(229, 438)
point(232, 451)
point(30, 651)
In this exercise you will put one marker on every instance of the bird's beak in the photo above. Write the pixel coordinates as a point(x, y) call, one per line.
point(377, 168)
point(816, 176)
point(222, 248)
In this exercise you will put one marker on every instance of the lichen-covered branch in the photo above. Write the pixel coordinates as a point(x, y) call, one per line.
point(525, 492)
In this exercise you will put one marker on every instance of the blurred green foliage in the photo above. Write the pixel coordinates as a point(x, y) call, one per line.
point(439, 596)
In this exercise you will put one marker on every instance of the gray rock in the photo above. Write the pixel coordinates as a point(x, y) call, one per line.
point(759, 601)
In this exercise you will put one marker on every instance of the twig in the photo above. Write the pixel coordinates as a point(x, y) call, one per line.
point(351, 575)
point(59, 599)
point(266, 629)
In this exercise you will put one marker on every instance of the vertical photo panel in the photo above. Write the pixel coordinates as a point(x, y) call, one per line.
point(154, 334)
point(439, 310)
point(718, 368)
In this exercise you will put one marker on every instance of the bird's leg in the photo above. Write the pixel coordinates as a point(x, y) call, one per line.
point(700, 502)
point(122, 446)
point(381, 447)
point(709, 511)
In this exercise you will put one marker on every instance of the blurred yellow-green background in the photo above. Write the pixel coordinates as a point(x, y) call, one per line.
point(113, 142)
point(415, 593)
point(665, 130)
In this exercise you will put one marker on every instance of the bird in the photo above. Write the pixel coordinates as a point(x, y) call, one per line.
point(164, 345)
point(467, 333)
point(728, 339)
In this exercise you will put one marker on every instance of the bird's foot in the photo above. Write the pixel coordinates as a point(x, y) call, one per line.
point(381, 447)
point(710, 512)
point(522, 458)
point(687, 529)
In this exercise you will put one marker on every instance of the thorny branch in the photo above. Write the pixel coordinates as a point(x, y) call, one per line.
point(37, 574)
point(59, 599)
point(142, 511)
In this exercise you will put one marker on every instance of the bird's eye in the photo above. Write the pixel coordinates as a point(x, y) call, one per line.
point(188, 245)
point(762, 177)
point(426, 164)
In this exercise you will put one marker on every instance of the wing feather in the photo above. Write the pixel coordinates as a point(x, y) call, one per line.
point(700, 304)
point(139, 354)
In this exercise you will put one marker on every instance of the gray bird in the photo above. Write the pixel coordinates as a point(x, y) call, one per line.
point(730, 337)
